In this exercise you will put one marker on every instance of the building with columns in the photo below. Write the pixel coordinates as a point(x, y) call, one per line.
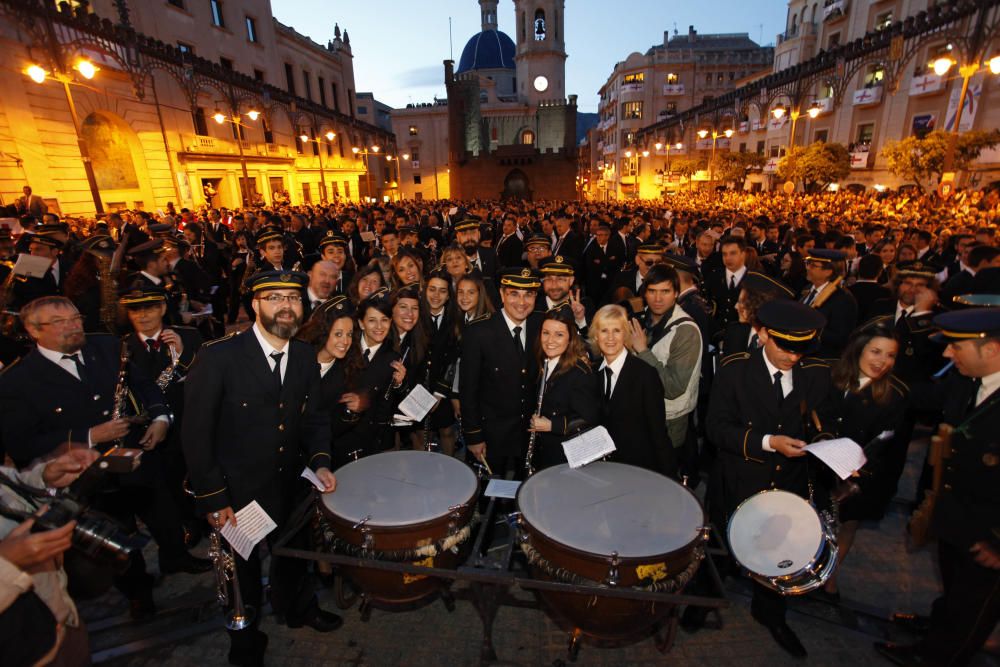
point(507, 128)
point(187, 102)
point(861, 73)
point(684, 71)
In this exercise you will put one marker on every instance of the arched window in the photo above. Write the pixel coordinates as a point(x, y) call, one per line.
point(528, 138)
point(539, 25)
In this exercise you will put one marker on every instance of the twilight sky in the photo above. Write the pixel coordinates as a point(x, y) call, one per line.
point(399, 46)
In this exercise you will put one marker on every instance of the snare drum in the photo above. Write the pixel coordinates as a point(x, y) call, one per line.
point(406, 506)
point(610, 524)
point(783, 542)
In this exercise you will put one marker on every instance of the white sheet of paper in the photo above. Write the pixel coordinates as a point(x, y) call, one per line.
point(418, 403)
point(588, 447)
point(31, 266)
point(367, 237)
point(309, 475)
point(502, 488)
point(842, 455)
point(252, 525)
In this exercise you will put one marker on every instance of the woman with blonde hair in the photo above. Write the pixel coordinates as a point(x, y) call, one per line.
point(632, 400)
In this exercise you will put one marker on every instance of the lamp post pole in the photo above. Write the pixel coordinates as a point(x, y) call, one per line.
point(88, 166)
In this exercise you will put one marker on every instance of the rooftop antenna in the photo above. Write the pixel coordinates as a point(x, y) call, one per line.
point(761, 40)
point(675, 28)
point(451, 51)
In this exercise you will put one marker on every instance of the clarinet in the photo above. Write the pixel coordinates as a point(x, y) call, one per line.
point(530, 469)
point(121, 388)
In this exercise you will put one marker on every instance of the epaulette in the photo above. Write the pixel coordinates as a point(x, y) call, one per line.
point(922, 323)
point(481, 318)
point(11, 365)
point(814, 362)
point(584, 366)
point(218, 340)
point(899, 385)
point(733, 357)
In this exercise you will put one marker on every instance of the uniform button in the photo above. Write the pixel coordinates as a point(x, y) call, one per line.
point(281, 449)
point(58, 410)
point(281, 406)
point(777, 468)
point(244, 405)
point(281, 427)
point(107, 412)
point(97, 397)
point(280, 469)
point(947, 487)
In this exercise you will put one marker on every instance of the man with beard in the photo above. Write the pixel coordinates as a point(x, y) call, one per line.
point(252, 417)
point(63, 392)
point(482, 259)
point(557, 285)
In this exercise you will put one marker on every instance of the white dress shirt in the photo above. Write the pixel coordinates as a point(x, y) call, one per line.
point(268, 349)
point(786, 388)
point(738, 275)
point(990, 384)
point(616, 371)
point(510, 327)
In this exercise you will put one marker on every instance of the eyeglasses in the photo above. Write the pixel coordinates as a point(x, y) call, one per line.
point(278, 298)
point(61, 322)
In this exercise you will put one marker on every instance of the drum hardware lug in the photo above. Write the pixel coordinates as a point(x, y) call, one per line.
point(613, 570)
point(454, 516)
point(368, 540)
point(355, 455)
point(684, 480)
point(706, 531)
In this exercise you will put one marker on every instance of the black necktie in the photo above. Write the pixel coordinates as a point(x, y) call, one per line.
point(79, 365)
point(437, 321)
point(732, 282)
point(779, 393)
point(902, 314)
point(811, 296)
point(608, 374)
point(368, 355)
point(976, 384)
point(277, 368)
point(517, 341)
point(754, 342)
point(152, 344)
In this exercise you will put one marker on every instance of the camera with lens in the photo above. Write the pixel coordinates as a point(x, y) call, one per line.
point(96, 535)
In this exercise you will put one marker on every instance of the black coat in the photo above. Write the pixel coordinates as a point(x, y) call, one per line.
point(736, 338)
point(496, 389)
point(243, 439)
point(866, 294)
point(601, 266)
point(43, 406)
point(376, 380)
point(572, 403)
point(509, 251)
point(841, 313)
point(153, 363)
point(744, 408)
point(636, 418)
point(919, 357)
point(857, 416)
point(571, 248)
point(724, 297)
point(968, 508)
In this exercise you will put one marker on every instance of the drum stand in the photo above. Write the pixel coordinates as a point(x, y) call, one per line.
point(492, 573)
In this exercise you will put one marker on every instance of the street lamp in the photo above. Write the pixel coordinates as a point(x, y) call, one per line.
point(728, 132)
point(330, 136)
point(363, 153)
point(87, 70)
point(779, 112)
point(237, 122)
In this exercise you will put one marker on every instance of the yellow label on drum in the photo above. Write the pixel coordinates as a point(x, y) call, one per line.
point(410, 578)
point(655, 572)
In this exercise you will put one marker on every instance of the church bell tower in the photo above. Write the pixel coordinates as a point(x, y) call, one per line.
point(541, 50)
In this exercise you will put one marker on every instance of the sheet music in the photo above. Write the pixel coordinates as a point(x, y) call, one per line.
point(252, 525)
point(842, 455)
point(367, 237)
point(588, 447)
point(308, 474)
point(502, 488)
point(31, 266)
point(418, 403)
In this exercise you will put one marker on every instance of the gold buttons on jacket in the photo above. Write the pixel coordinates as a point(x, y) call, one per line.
point(281, 427)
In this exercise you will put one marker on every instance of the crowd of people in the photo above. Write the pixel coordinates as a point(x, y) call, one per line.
point(714, 335)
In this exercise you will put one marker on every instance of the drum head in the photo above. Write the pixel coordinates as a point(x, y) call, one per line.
point(400, 488)
point(775, 533)
point(608, 507)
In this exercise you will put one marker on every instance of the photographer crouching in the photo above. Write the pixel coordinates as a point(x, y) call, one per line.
point(39, 624)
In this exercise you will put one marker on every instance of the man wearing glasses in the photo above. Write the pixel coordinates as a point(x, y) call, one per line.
point(252, 417)
point(62, 392)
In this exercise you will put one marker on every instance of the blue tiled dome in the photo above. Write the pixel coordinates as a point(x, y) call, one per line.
point(490, 49)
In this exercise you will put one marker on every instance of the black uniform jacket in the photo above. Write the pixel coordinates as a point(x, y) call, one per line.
point(572, 403)
point(495, 387)
point(968, 508)
point(744, 408)
point(243, 439)
point(43, 406)
point(841, 313)
point(636, 418)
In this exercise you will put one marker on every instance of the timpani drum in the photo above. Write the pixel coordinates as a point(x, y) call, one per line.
point(610, 524)
point(406, 506)
point(782, 542)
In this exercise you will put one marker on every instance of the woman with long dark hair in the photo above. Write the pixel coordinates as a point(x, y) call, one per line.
point(332, 332)
point(365, 282)
point(471, 302)
point(438, 313)
point(384, 371)
point(407, 268)
point(865, 401)
point(571, 402)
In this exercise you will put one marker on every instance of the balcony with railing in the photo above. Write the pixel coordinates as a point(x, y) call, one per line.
point(200, 144)
point(867, 96)
point(797, 31)
point(834, 9)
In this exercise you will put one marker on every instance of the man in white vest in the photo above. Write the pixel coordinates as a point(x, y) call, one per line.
point(666, 338)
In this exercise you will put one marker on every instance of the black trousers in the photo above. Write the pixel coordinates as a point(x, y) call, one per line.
point(963, 618)
point(292, 589)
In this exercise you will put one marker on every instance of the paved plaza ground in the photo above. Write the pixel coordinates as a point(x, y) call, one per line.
point(880, 577)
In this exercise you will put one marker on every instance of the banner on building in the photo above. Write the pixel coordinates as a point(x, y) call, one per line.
point(969, 109)
point(923, 124)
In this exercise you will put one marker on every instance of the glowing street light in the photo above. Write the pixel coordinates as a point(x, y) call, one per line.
point(219, 117)
point(994, 65)
point(36, 73)
point(86, 69)
point(702, 134)
point(304, 137)
point(253, 114)
point(330, 135)
point(778, 112)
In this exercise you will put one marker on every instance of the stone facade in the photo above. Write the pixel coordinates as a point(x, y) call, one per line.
point(146, 117)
